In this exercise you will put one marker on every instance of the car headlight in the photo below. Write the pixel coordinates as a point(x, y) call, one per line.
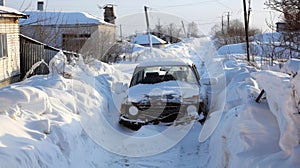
point(191, 109)
point(192, 100)
point(133, 110)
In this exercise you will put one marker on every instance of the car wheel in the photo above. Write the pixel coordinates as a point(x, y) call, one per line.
point(204, 111)
point(132, 126)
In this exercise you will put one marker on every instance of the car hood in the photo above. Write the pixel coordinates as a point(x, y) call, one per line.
point(161, 90)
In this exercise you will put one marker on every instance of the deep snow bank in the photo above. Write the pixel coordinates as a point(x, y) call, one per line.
point(51, 121)
point(40, 117)
point(258, 135)
point(281, 99)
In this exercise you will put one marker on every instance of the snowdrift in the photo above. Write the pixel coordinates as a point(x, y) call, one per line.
point(258, 135)
point(54, 121)
point(41, 116)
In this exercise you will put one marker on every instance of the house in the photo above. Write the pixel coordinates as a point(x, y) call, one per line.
point(73, 31)
point(166, 37)
point(285, 27)
point(143, 39)
point(280, 27)
point(9, 44)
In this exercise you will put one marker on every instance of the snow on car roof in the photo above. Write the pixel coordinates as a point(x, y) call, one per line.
point(163, 62)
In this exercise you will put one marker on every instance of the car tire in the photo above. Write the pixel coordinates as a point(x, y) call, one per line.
point(131, 126)
point(204, 111)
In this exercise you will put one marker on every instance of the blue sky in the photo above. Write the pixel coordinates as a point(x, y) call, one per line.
point(205, 13)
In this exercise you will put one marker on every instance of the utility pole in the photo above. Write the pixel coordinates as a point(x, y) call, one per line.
point(249, 11)
point(228, 21)
point(222, 24)
point(248, 22)
point(121, 35)
point(184, 29)
point(148, 27)
point(246, 30)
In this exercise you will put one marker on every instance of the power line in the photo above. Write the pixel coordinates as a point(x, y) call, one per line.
point(187, 4)
point(207, 23)
point(224, 5)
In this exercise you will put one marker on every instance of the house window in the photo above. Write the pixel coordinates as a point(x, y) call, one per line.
point(74, 42)
point(3, 45)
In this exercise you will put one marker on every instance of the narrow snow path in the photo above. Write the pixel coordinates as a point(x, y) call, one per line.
point(188, 152)
point(51, 121)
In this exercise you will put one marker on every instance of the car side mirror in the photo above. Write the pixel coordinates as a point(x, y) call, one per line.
point(120, 87)
point(209, 81)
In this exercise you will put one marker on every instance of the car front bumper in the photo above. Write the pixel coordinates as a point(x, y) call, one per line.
point(158, 115)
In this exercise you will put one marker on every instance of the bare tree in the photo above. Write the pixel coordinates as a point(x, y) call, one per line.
point(234, 33)
point(290, 10)
point(37, 30)
point(171, 33)
point(192, 30)
point(159, 29)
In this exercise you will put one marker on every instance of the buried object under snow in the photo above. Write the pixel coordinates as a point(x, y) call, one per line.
point(163, 92)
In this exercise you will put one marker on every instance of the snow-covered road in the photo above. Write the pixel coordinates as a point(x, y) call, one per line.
point(52, 121)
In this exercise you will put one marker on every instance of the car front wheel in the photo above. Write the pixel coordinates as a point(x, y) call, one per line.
point(132, 126)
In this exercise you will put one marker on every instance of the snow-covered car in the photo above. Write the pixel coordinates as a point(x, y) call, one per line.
point(163, 91)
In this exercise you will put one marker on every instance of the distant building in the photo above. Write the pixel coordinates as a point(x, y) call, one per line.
point(167, 38)
point(73, 31)
point(280, 27)
point(9, 44)
point(143, 39)
point(284, 27)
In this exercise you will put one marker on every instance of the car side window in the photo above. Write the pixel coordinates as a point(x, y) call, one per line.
point(137, 78)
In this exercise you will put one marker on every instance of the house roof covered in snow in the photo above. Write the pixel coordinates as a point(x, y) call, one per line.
point(7, 10)
point(61, 18)
point(144, 39)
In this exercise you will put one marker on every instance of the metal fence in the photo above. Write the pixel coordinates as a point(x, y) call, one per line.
point(33, 51)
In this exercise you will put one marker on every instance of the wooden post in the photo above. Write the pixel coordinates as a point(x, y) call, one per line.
point(246, 30)
point(228, 21)
point(260, 95)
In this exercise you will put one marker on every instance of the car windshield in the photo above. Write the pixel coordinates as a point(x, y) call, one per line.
point(157, 74)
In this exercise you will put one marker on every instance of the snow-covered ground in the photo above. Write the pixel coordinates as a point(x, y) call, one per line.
point(52, 121)
point(265, 46)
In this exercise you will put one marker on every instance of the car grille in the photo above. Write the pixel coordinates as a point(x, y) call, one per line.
point(166, 113)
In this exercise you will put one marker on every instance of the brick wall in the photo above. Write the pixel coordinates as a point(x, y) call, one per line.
point(10, 64)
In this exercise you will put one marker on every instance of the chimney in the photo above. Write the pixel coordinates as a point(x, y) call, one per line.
point(2, 2)
point(109, 15)
point(40, 5)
